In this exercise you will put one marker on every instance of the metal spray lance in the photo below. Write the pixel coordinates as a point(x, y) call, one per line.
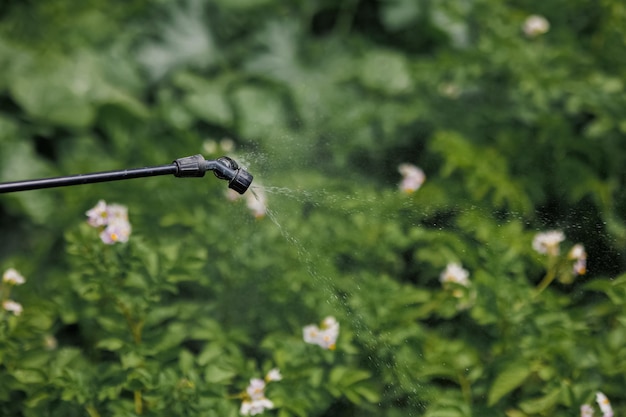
point(224, 168)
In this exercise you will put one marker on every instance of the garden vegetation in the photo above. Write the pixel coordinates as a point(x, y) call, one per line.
point(436, 225)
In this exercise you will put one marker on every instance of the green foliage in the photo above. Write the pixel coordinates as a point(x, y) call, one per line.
point(517, 133)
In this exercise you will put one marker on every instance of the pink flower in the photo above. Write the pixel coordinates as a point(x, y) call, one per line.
point(117, 213)
point(112, 220)
point(98, 215)
point(116, 232)
point(586, 410)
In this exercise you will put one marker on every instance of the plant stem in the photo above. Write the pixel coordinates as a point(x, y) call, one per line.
point(546, 281)
point(345, 17)
point(6, 292)
point(91, 410)
point(136, 328)
point(554, 265)
point(138, 402)
point(465, 388)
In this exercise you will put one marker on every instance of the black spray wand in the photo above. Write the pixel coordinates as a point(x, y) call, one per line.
point(191, 166)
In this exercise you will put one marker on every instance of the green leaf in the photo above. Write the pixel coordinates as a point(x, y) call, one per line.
point(186, 360)
point(57, 90)
point(367, 392)
point(29, 376)
point(210, 353)
point(34, 400)
point(400, 14)
point(19, 161)
point(244, 4)
point(485, 170)
point(351, 383)
point(260, 113)
point(206, 99)
point(216, 374)
point(445, 412)
point(185, 41)
point(111, 344)
point(541, 404)
point(511, 377)
point(131, 360)
point(387, 72)
point(316, 376)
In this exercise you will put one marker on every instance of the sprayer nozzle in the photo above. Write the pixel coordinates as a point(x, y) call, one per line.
point(238, 178)
point(224, 168)
point(241, 181)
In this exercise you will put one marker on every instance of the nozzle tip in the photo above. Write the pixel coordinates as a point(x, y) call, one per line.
point(238, 178)
point(241, 181)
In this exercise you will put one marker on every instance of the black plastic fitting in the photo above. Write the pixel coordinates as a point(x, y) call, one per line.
point(227, 169)
point(190, 166)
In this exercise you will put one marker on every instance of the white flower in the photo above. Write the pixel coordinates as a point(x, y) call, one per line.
point(256, 389)
point(50, 342)
point(579, 255)
point(311, 334)
point(548, 242)
point(255, 401)
point(412, 178)
point(326, 336)
point(254, 407)
point(577, 252)
point(604, 404)
point(586, 410)
point(535, 25)
point(232, 195)
point(449, 90)
point(209, 146)
point(246, 406)
point(455, 273)
point(273, 375)
point(330, 323)
point(12, 277)
point(13, 307)
point(227, 145)
point(257, 202)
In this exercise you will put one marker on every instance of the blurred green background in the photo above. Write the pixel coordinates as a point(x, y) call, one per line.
point(518, 129)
